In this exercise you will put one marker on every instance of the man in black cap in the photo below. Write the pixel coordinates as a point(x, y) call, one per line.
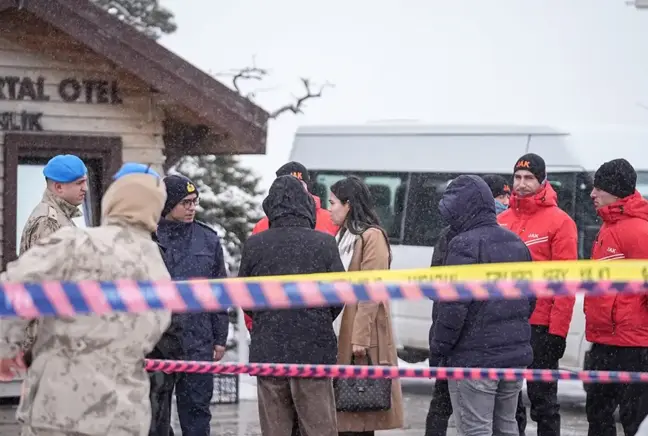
point(500, 189)
point(193, 250)
point(322, 216)
point(550, 234)
point(617, 325)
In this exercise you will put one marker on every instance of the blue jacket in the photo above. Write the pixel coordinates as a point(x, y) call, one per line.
point(493, 333)
point(193, 250)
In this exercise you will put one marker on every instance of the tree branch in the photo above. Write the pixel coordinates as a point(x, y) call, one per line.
point(296, 108)
point(248, 73)
point(259, 74)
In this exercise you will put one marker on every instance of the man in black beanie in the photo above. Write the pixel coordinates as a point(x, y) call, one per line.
point(193, 250)
point(550, 234)
point(617, 325)
point(500, 189)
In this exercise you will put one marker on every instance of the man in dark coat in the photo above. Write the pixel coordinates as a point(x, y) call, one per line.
point(193, 250)
point(492, 333)
point(440, 409)
point(303, 336)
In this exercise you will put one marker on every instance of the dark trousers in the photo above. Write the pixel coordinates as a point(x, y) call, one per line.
point(436, 423)
point(161, 396)
point(545, 409)
point(603, 398)
point(310, 401)
point(193, 394)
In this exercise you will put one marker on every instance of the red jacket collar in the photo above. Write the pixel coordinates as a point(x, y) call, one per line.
point(633, 206)
point(544, 197)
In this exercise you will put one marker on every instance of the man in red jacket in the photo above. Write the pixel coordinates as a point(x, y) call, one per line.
point(550, 234)
point(323, 220)
point(617, 325)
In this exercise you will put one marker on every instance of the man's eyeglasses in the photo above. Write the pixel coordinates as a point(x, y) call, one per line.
point(187, 203)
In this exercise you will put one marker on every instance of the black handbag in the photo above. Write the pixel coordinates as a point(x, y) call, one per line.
point(362, 395)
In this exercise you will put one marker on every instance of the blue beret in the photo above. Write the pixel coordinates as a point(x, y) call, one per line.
point(65, 168)
point(135, 168)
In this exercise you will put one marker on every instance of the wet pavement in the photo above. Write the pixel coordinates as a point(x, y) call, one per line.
point(242, 419)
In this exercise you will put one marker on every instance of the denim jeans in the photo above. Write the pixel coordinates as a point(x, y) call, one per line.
point(485, 407)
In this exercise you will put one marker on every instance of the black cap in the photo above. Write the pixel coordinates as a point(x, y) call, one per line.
point(534, 164)
point(497, 184)
point(294, 169)
point(177, 188)
point(616, 177)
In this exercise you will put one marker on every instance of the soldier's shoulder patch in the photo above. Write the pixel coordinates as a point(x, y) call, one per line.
point(51, 213)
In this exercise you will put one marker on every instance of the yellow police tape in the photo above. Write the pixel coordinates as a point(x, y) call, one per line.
point(583, 270)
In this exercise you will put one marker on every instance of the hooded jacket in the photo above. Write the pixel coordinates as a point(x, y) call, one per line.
point(291, 246)
point(441, 250)
point(92, 363)
point(323, 223)
point(492, 333)
point(550, 234)
point(619, 319)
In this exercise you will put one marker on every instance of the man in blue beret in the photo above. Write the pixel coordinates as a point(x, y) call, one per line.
point(67, 183)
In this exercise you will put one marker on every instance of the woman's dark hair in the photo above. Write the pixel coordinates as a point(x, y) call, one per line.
point(362, 216)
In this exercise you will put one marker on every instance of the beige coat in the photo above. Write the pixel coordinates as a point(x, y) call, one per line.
point(369, 324)
point(88, 375)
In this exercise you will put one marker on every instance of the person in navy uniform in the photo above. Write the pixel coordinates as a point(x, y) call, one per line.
point(193, 250)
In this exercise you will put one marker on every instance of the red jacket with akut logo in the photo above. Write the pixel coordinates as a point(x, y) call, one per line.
point(620, 320)
point(550, 234)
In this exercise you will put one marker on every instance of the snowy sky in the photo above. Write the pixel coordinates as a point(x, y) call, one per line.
point(557, 62)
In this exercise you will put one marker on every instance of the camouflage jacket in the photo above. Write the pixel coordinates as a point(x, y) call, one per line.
point(88, 375)
point(48, 216)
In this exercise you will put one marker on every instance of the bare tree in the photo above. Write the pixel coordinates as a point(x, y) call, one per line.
point(256, 74)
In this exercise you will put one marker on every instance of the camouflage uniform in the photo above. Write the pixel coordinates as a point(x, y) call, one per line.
point(48, 216)
point(88, 377)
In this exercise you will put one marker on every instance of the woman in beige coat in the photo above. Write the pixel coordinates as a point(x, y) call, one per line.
point(366, 327)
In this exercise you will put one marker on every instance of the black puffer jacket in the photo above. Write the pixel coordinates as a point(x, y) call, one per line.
point(291, 246)
point(491, 333)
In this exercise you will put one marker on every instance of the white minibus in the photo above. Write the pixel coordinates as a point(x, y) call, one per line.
point(407, 168)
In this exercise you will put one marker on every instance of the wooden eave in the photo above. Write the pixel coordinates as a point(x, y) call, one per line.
point(226, 115)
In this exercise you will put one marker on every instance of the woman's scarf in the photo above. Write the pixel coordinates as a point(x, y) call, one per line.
point(346, 243)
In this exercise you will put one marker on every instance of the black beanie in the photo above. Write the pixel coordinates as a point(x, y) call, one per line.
point(497, 184)
point(534, 164)
point(294, 169)
point(616, 177)
point(177, 188)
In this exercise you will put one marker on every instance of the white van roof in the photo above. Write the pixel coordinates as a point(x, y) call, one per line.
point(461, 148)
